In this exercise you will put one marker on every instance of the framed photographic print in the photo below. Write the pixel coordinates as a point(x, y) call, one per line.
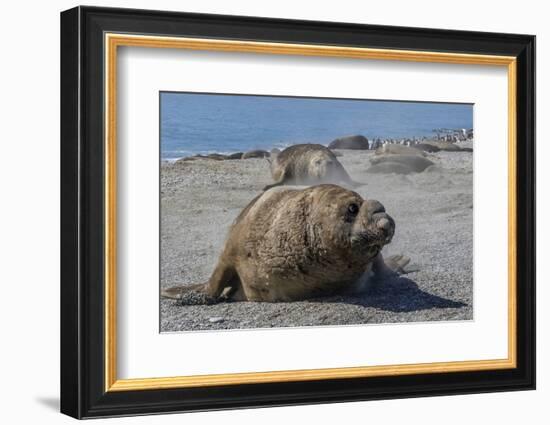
point(261, 212)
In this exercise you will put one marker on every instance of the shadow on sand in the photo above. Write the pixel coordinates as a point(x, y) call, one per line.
point(397, 294)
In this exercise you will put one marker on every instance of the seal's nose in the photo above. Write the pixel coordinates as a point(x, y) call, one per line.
point(374, 207)
point(384, 224)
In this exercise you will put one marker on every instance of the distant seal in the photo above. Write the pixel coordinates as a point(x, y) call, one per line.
point(306, 164)
point(426, 147)
point(292, 244)
point(258, 153)
point(394, 149)
point(399, 164)
point(236, 155)
point(216, 156)
point(350, 142)
point(448, 146)
point(213, 156)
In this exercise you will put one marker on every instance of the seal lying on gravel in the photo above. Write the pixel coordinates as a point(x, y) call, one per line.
point(399, 164)
point(307, 164)
point(393, 149)
point(292, 244)
point(259, 153)
point(426, 147)
point(448, 146)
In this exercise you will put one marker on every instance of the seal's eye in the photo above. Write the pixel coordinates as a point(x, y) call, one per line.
point(353, 209)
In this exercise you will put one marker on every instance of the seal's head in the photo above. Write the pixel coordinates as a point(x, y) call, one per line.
point(323, 166)
point(372, 228)
point(358, 227)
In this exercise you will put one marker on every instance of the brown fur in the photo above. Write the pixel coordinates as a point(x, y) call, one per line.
point(293, 244)
point(306, 164)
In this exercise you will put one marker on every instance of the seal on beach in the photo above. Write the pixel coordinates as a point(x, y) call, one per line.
point(306, 164)
point(394, 149)
point(258, 153)
point(213, 156)
point(399, 164)
point(292, 244)
point(236, 155)
point(426, 147)
point(448, 146)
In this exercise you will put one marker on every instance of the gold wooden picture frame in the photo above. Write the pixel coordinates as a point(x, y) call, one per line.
point(114, 41)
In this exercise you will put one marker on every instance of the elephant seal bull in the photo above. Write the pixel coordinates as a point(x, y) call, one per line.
point(292, 244)
point(306, 164)
point(399, 164)
point(394, 149)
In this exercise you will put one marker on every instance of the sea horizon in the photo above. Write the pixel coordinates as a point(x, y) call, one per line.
point(197, 123)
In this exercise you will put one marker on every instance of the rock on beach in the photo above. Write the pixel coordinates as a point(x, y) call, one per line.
point(350, 142)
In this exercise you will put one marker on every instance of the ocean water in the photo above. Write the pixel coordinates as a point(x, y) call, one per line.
point(193, 123)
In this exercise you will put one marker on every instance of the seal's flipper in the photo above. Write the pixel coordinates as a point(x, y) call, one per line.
point(195, 295)
point(223, 282)
point(279, 177)
point(180, 292)
point(397, 263)
point(222, 285)
point(172, 293)
point(391, 266)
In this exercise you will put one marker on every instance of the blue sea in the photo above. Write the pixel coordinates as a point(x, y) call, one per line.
point(193, 123)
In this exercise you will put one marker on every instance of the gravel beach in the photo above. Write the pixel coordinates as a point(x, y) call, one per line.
point(434, 227)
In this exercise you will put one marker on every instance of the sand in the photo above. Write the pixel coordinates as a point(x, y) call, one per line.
point(434, 227)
